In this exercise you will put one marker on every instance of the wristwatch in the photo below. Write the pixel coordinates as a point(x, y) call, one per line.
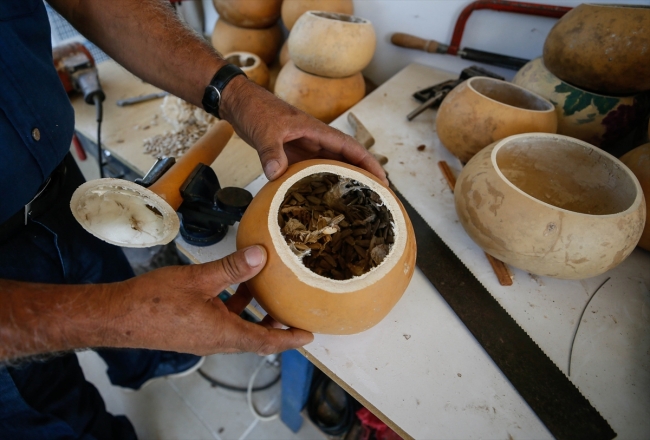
point(212, 95)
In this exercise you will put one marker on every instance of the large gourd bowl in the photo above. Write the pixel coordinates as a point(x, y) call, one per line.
point(551, 205)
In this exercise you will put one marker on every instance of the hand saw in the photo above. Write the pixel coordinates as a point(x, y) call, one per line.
point(566, 413)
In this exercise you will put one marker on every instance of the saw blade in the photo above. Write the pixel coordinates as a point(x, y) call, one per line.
point(565, 412)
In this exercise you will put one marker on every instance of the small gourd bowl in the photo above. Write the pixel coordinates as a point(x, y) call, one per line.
point(297, 297)
point(252, 65)
point(483, 110)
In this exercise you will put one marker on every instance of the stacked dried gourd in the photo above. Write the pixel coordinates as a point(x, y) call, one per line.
point(327, 49)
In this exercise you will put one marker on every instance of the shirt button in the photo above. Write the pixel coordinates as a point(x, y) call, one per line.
point(36, 134)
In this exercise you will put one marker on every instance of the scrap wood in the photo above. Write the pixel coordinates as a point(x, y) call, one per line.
point(501, 270)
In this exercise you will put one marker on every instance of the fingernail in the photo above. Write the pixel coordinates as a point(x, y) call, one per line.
point(254, 256)
point(271, 169)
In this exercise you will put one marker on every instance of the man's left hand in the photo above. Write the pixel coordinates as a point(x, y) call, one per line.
point(283, 135)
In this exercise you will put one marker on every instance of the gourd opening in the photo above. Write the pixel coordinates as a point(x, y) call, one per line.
point(340, 17)
point(567, 174)
point(615, 5)
point(337, 226)
point(509, 94)
point(241, 60)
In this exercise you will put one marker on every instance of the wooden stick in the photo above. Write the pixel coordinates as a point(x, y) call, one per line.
point(361, 133)
point(501, 270)
point(449, 176)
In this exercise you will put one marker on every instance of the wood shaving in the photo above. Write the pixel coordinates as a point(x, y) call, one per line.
point(189, 124)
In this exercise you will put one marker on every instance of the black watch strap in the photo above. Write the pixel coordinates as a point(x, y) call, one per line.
point(212, 95)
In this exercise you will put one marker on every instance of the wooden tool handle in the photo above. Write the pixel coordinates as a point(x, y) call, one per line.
point(204, 151)
point(413, 42)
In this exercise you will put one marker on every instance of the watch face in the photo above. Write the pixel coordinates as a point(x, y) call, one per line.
point(211, 98)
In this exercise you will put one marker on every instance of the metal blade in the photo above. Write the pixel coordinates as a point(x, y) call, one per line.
point(557, 402)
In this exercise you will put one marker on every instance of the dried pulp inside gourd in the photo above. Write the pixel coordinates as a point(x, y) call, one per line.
point(338, 226)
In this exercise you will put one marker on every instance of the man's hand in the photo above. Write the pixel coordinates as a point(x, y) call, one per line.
point(176, 308)
point(283, 135)
point(173, 308)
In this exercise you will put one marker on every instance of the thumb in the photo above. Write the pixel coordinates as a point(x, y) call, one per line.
point(274, 161)
point(237, 267)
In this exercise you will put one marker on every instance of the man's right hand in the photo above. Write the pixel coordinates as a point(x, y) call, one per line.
point(177, 308)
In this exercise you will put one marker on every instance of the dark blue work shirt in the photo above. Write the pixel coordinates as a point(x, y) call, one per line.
point(33, 105)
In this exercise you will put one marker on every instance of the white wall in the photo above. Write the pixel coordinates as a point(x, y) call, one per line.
point(499, 32)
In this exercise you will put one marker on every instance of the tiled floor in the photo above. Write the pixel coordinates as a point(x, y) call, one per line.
point(189, 408)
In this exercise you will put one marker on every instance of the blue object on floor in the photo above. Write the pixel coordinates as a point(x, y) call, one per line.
point(297, 372)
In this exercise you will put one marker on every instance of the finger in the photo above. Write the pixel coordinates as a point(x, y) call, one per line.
point(238, 302)
point(369, 163)
point(250, 337)
point(235, 268)
point(269, 322)
point(352, 151)
point(274, 160)
point(358, 155)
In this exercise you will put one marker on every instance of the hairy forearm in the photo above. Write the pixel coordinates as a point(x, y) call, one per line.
point(146, 37)
point(42, 318)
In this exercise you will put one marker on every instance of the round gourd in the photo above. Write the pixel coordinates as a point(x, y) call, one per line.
point(255, 14)
point(264, 43)
point(638, 161)
point(323, 98)
point(298, 297)
point(602, 48)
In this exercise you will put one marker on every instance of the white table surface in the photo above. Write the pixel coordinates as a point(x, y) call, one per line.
point(420, 369)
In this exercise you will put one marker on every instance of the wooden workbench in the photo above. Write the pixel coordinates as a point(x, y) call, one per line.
point(420, 369)
point(124, 129)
